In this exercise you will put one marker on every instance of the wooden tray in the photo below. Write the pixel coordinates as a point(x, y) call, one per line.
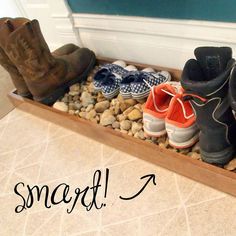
point(210, 175)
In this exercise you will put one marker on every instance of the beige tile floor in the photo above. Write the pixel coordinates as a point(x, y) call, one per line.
point(5, 86)
point(35, 151)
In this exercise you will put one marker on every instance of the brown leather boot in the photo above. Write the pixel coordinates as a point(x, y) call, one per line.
point(47, 77)
point(16, 77)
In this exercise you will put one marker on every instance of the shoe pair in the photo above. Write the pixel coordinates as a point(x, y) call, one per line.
point(209, 82)
point(131, 83)
point(137, 84)
point(167, 112)
point(108, 78)
point(34, 70)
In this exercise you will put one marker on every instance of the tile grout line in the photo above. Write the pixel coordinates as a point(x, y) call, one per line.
point(169, 221)
point(4, 127)
point(177, 210)
point(25, 224)
point(26, 157)
point(11, 171)
point(61, 221)
point(44, 223)
point(205, 201)
point(183, 205)
point(44, 153)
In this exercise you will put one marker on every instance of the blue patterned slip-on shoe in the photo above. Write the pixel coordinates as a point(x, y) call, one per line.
point(116, 69)
point(125, 88)
point(110, 86)
point(141, 86)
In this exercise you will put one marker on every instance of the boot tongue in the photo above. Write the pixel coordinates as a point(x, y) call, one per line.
point(213, 60)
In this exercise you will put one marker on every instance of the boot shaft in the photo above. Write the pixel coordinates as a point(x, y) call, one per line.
point(25, 48)
point(8, 65)
point(206, 82)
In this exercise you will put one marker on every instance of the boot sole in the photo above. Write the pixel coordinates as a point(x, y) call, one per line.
point(52, 98)
point(218, 158)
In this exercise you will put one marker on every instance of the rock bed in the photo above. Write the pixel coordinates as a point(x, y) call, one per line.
point(124, 116)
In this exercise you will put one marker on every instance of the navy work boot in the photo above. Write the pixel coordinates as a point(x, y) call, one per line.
point(232, 89)
point(206, 82)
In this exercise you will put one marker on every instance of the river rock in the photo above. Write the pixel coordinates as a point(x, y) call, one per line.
point(91, 88)
point(100, 97)
point(196, 148)
point(76, 98)
point(71, 112)
point(138, 106)
point(231, 165)
point(89, 107)
point(124, 131)
point(86, 99)
point(120, 98)
point(116, 125)
point(136, 127)
point(194, 155)
point(117, 108)
point(130, 102)
point(75, 88)
point(71, 106)
point(82, 114)
point(135, 115)
point(130, 133)
point(74, 93)
point(65, 99)
point(121, 117)
point(77, 105)
point(128, 110)
point(91, 114)
point(122, 106)
point(125, 124)
point(102, 106)
point(61, 106)
point(107, 118)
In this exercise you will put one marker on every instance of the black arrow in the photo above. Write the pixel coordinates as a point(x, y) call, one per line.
point(150, 177)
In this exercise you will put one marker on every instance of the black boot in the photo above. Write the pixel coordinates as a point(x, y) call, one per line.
point(232, 89)
point(206, 82)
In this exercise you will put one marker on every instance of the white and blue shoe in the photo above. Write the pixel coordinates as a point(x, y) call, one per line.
point(110, 86)
point(116, 68)
point(137, 84)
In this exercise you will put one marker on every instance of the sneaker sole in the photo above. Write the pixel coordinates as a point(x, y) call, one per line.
point(154, 134)
point(126, 95)
point(111, 95)
point(186, 144)
point(140, 95)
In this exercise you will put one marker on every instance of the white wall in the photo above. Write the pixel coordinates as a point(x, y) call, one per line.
point(9, 8)
point(153, 41)
point(54, 17)
point(160, 42)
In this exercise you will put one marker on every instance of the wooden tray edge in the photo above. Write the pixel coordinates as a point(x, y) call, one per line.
point(210, 175)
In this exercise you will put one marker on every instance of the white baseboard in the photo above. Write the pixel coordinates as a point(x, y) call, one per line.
point(161, 42)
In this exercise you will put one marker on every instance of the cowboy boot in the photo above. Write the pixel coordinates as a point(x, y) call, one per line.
point(206, 83)
point(16, 77)
point(47, 78)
